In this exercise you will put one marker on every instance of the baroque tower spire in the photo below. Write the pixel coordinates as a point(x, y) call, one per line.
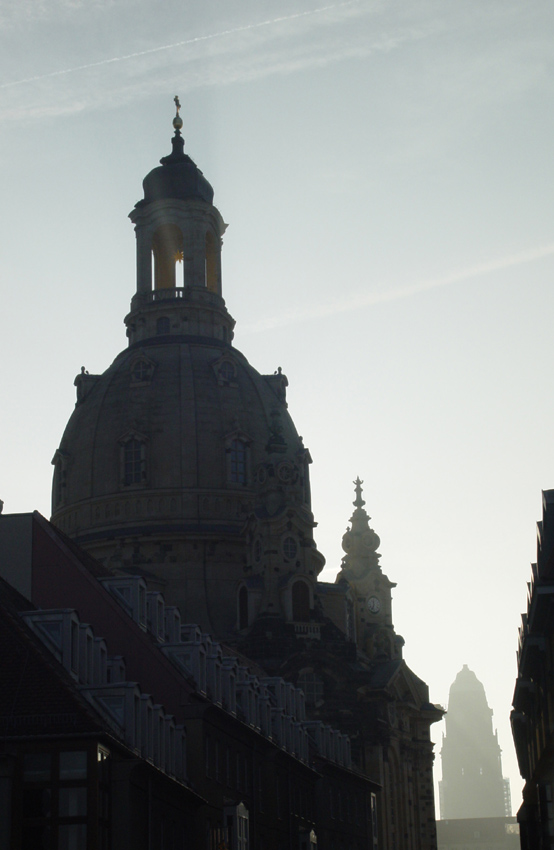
point(371, 589)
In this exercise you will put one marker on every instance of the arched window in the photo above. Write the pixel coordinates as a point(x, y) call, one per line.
point(211, 263)
point(238, 461)
point(290, 548)
point(162, 326)
point(300, 602)
point(312, 686)
point(243, 608)
point(167, 247)
point(134, 462)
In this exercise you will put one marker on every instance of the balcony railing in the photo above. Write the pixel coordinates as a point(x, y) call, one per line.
point(167, 294)
point(308, 630)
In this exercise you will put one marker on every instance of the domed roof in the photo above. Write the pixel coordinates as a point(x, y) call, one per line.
point(186, 404)
point(181, 461)
point(177, 177)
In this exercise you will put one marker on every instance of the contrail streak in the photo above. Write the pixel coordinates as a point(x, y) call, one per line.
point(175, 44)
point(398, 293)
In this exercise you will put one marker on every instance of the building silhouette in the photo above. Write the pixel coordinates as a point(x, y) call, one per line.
point(181, 472)
point(534, 693)
point(472, 785)
point(125, 729)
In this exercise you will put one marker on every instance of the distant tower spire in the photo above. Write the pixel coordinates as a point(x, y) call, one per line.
point(369, 604)
point(360, 542)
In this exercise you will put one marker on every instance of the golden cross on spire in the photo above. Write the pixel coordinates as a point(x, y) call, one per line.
point(177, 104)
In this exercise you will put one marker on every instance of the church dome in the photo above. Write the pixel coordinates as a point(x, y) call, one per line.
point(181, 462)
point(178, 434)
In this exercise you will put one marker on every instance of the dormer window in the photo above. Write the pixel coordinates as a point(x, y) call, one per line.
point(142, 370)
point(227, 372)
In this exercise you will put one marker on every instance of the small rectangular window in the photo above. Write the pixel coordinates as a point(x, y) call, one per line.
point(73, 802)
point(374, 825)
point(73, 765)
point(37, 767)
point(72, 836)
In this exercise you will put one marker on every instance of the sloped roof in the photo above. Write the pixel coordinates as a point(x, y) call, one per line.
point(37, 697)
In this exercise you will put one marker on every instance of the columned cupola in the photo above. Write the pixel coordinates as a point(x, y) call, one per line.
point(179, 235)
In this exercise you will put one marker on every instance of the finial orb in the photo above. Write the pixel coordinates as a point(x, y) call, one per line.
point(177, 122)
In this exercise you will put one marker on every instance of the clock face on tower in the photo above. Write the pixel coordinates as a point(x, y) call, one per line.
point(373, 605)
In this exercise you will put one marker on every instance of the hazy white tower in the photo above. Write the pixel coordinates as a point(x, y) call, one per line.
point(472, 785)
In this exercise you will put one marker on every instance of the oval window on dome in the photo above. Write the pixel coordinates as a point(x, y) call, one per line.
point(262, 474)
point(290, 548)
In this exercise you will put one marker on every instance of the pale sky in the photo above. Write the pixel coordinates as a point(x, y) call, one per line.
point(386, 172)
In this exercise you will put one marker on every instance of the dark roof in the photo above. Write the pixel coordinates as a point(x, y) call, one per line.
point(383, 672)
point(37, 697)
point(177, 177)
point(92, 565)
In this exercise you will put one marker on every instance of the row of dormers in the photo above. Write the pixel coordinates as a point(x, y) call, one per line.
point(134, 716)
point(272, 707)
